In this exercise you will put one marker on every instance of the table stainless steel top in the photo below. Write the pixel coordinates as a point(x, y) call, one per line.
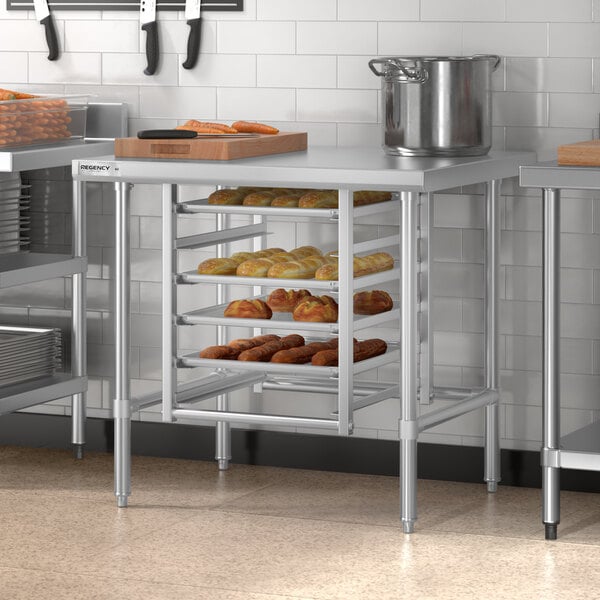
point(320, 166)
point(552, 175)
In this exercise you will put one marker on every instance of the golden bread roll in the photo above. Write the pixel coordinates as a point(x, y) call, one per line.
point(265, 352)
point(372, 302)
point(229, 197)
point(362, 351)
point(240, 257)
point(281, 300)
point(247, 343)
point(285, 201)
point(248, 309)
point(304, 251)
point(319, 199)
point(316, 309)
point(255, 267)
point(217, 266)
point(303, 354)
point(363, 265)
point(363, 197)
point(259, 199)
point(282, 257)
point(297, 269)
point(266, 253)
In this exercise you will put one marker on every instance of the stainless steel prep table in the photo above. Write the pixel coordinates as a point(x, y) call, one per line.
point(346, 169)
point(580, 449)
point(28, 267)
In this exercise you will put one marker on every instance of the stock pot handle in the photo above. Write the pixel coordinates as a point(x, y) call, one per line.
point(493, 57)
point(412, 74)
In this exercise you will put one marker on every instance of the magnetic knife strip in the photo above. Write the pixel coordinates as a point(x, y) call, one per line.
point(225, 5)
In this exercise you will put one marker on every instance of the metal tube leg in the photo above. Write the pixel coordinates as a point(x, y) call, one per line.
point(492, 263)
point(78, 319)
point(122, 402)
point(408, 368)
point(550, 365)
point(222, 428)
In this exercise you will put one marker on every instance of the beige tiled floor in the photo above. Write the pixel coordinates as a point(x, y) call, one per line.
point(260, 533)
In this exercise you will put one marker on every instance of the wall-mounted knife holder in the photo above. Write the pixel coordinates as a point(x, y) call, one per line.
point(212, 5)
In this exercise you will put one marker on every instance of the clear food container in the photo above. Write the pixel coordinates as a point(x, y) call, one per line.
point(42, 119)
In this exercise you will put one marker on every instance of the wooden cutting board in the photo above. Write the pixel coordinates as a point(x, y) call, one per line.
point(581, 153)
point(207, 149)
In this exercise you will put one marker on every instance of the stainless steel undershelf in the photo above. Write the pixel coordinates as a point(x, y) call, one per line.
point(586, 439)
point(38, 391)
point(28, 267)
point(51, 155)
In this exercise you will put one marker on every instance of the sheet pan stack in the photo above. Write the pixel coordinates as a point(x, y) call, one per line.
point(28, 353)
point(14, 224)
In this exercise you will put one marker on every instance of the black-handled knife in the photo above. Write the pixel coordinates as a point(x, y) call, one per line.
point(150, 26)
point(193, 9)
point(42, 14)
point(186, 134)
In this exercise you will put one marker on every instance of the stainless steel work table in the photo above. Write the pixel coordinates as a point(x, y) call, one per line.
point(27, 267)
point(346, 169)
point(580, 449)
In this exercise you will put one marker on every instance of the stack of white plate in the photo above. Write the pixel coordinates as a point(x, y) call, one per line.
point(14, 222)
point(28, 353)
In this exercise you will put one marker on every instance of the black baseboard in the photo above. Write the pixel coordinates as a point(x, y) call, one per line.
point(269, 448)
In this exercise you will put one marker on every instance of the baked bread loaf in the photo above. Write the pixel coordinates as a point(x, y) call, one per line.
point(259, 198)
point(372, 302)
point(265, 352)
point(255, 267)
point(316, 309)
point(304, 251)
point(362, 351)
point(281, 300)
point(286, 201)
point(227, 197)
point(319, 199)
point(363, 197)
point(248, 309)
point(240, 257)
point(220, 353)
point(282, 257)
point(266, 253)
point(247, 343)
point(303, 354)
point(297, 269)
point(217, 266)
point(363, 265)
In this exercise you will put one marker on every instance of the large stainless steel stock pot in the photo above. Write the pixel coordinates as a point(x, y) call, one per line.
point(436, 106)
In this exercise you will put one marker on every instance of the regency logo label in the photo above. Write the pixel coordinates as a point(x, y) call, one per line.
point(99, 169)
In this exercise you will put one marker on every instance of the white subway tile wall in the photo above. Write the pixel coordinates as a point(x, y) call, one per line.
point(303, 66)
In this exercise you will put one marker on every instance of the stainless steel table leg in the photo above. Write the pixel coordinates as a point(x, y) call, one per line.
point(222, 428)
point(78, 319)
point(122, 402)
point(408, 369)
point(551, 353)
point(492, 259)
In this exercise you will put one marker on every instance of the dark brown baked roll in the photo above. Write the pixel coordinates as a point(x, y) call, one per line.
point(372, 302)
point(248, 309)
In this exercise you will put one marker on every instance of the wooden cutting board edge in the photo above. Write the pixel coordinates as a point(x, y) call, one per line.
point(217, 149)
point(585, 154)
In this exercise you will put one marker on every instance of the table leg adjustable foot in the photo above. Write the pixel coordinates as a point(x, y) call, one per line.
point(551, 531)
point(78, 451)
